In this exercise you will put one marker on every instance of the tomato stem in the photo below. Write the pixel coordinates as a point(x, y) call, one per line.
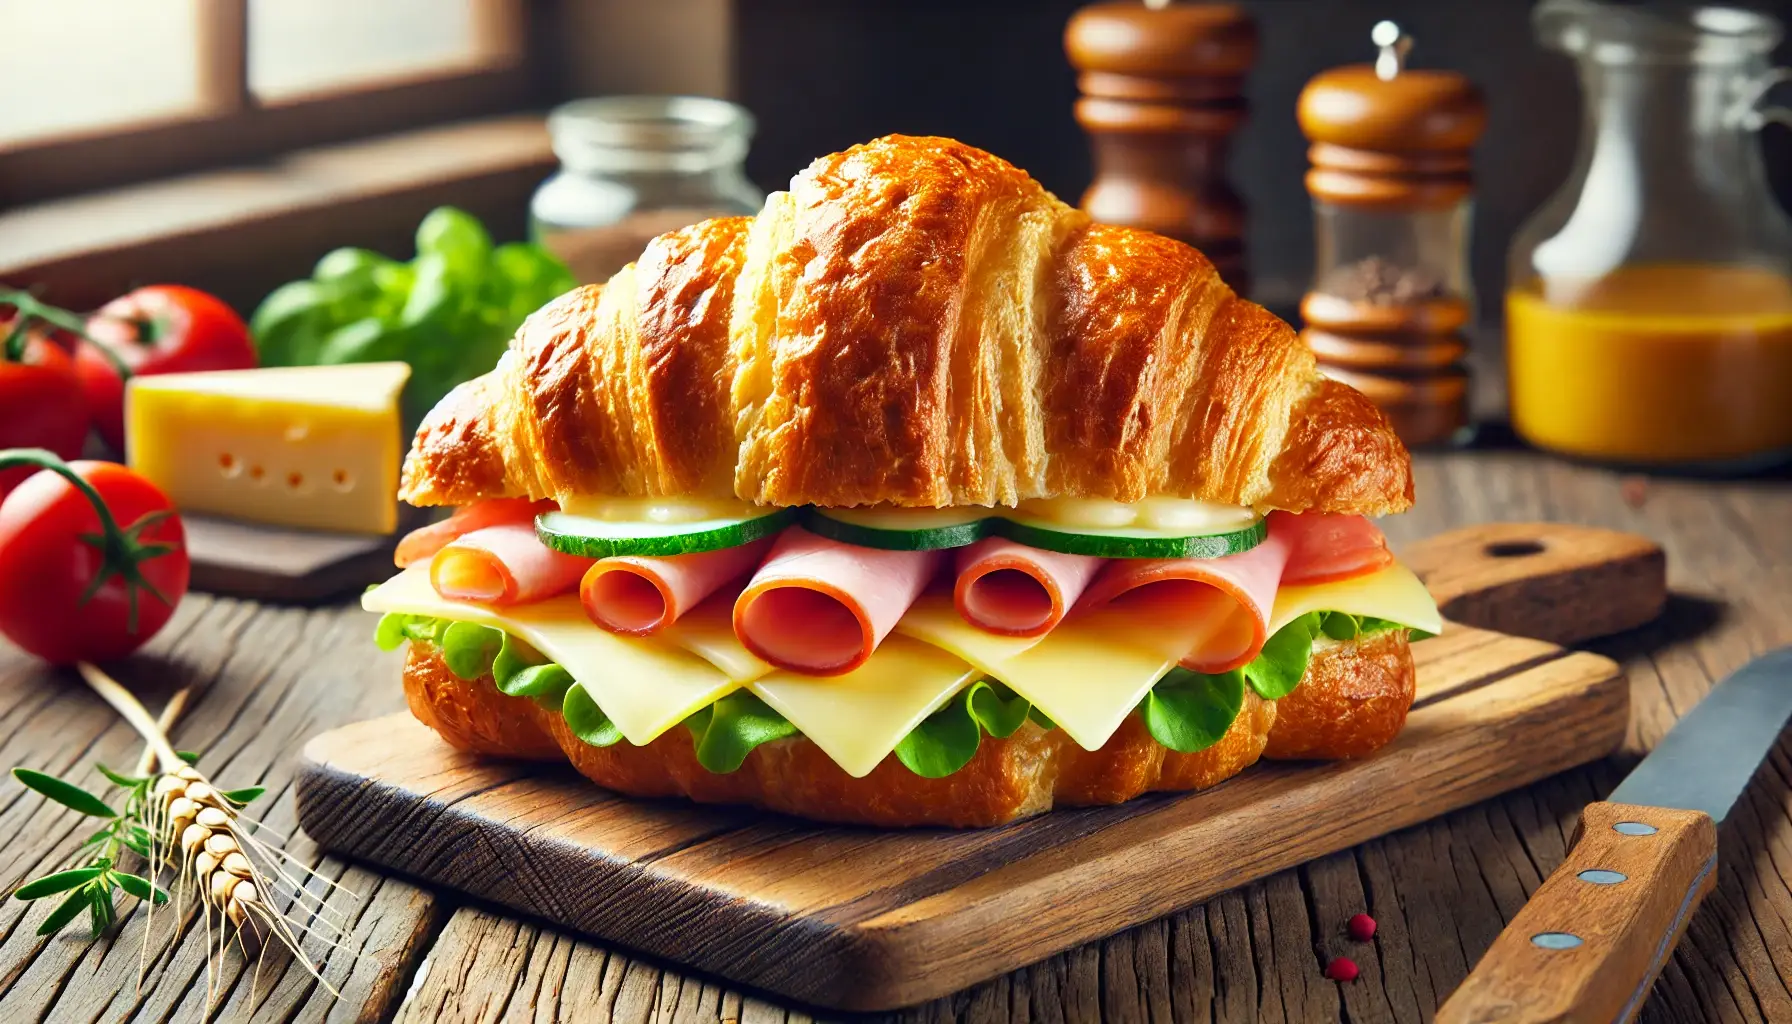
point(122, 549)
point(30, 308)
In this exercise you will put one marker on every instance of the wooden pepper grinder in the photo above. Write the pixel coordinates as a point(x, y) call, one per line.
point(1163, 94)
point(1391, 188)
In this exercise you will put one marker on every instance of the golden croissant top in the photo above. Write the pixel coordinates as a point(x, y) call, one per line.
point(917, 323)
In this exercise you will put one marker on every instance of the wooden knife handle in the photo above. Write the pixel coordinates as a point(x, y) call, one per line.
point(1595, 934)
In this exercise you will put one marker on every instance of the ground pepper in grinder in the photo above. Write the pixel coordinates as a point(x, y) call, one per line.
point(1391, 187)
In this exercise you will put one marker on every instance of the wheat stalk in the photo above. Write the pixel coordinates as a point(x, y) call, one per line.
point(223, 866)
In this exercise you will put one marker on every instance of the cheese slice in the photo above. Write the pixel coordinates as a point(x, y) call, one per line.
point(708, 632)
point(1393, 593)
point(1087, 674)
point(316, 447)
point(645, 687)
point(858, 718)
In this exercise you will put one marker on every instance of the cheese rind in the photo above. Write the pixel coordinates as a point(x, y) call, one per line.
point(644, 687)
point(314, 447)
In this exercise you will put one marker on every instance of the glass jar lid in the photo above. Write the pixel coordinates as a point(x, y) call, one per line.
point(1662, 33)
point(668, 134)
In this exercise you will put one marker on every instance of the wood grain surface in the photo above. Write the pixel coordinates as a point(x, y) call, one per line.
point(1588, 944)
point(863, 919)
point(268, 679)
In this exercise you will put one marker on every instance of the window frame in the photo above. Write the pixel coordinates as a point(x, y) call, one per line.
point(229, 125)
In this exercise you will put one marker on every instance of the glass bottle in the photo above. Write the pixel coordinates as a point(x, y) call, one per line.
point(1392, 188)
point(1649, 302)
point(634, 167)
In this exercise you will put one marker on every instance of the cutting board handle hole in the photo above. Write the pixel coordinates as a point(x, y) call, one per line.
point(1513, 548)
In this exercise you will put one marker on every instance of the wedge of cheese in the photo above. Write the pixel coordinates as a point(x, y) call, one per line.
point(314, 447)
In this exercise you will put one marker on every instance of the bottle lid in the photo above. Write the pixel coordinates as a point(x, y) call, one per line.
point(1391, 136)
point(1191, 52)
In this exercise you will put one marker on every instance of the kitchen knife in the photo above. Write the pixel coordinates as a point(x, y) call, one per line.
point(1595, 934)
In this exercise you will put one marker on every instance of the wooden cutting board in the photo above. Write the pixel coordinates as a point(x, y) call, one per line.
point(288, 566)
point(862, 919)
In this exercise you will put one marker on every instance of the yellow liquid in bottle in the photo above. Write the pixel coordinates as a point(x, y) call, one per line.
point(1655, 364)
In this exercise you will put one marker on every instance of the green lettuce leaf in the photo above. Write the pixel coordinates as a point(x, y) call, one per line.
point(1186, 711)
point(1278, 669)
point(947, 739)
point(1189, 711)
point(586, 720)
point(727, 731)
point(468, 648)
point(520, 671)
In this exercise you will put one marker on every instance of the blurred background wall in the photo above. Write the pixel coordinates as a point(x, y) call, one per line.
point(824, 74)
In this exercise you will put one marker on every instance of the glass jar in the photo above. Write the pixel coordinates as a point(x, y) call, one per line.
point(634, 167)
point(1649, 302)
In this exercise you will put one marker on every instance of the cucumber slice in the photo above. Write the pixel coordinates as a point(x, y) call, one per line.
point(932, 529)
point(901, 529)
point(1131, 542)
point(600, 538)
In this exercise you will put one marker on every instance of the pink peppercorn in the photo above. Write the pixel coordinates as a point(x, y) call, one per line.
point(1342, 968)
point(1361, 927)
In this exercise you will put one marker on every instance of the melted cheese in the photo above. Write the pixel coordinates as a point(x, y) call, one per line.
point(645, 687)
point(1393, 593)
point(858, 718)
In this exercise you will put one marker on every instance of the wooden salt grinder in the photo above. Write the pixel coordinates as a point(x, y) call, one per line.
point(1391, 187)
point(1163, 94)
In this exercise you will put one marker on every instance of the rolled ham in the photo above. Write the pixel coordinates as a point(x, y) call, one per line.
point(1223, 604)
point(425, 541)
point(1015, 590)
point(502, 565)
point(641, 595)
point(820, 607)
point(1325, 548)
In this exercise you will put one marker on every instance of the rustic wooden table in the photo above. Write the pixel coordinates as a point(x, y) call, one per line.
point(266, 678)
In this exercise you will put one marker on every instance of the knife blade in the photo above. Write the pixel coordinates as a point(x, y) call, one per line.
point(1592, 938)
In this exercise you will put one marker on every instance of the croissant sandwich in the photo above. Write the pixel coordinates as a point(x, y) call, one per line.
point(917, 499)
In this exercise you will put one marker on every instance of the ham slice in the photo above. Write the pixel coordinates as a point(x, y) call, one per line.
point(502, 565)
point(640, 595)
point(1325, 548)
point(1015, 590)
point(425, 541)
point(820, 607)
point(1224, 602)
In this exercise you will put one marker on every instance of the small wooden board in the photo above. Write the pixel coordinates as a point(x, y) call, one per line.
point(284, 565)
point(862, 919)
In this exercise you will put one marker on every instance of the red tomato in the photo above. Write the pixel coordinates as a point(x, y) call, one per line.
point(40, 403)
point(54, 545)
point(164, 328)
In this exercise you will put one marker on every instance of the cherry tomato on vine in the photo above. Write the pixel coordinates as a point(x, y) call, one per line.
point(93, 559)
point(163, 328)
point(41, 403)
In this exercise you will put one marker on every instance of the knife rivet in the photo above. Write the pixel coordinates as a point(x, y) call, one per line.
point(1601, 877)
point(1633, 828)
point(1555, 940)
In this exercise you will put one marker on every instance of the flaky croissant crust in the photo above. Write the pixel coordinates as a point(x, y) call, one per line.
point(914, 322)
